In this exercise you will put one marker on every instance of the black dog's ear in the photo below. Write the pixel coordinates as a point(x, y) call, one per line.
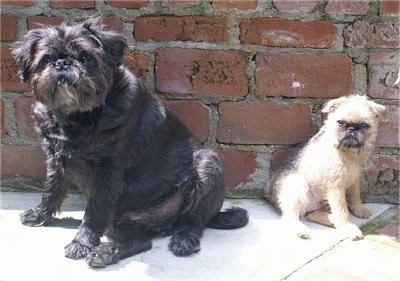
point(112, 42)
point(23, 52)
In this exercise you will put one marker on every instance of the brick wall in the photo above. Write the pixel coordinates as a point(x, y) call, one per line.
point(247, 77)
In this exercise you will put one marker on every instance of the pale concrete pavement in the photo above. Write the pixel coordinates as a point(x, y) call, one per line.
point(260, 251)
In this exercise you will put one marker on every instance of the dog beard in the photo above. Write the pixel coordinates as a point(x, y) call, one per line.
point(69, 91)
point(354, 136)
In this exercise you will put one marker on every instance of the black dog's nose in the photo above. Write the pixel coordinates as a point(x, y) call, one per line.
point(62, 64)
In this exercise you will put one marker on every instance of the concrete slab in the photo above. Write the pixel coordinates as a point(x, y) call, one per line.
point(260, 251)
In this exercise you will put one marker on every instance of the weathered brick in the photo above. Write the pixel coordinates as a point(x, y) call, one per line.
point(8, 25)
point(363, 34)
point(303, 75)
point(285, 33)
point(388, 133)
point(138, 63)
point(9, 78)
point(195, 115)
point(189, 71)
point(238, 166)
point(2, 114)
point(113, 23)
point(71, 4)
point(110, 23)
point(179, 3)
point(235, 4)
point(383, 176)
point(277, 159)
point(40, 21)
point(22, 161)
point(18, 3)
point(23, 116)
point(382, 73)
point(295, 5)
point(390, 8)
point(348, 7)
point(263, 123)
point(132, 4)
point(187, 28)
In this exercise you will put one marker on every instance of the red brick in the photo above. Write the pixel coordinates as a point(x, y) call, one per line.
point(238, 166)
point(70, 4)
point(362, 34)
point(8, 28)
point(285, 33)
point(195, 115)
point(2, 114)
point(132, 4)
point(388, 133)
point(382, 73)
point(9, 78)
point(263, 123)
point(19, 3)
point(348, 7)
point(277, 159)
point(40, 21)
point(113, 23)
point(390, 8)
point(22, 161)
point(187, 28)
point(235, 4)
point(137, 63)
point(295, 6)
point(110, 23)
point(179, 3)
point(23, 116)
point(189, 71)
point(383, 175)
point(303, 75)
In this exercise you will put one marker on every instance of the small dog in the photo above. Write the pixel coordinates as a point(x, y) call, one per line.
point(142, 171)
point(327, 170)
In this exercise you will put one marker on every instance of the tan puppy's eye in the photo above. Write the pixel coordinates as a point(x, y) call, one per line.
point(341, 123)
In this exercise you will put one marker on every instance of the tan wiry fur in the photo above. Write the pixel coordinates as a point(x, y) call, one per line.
point(327, 170)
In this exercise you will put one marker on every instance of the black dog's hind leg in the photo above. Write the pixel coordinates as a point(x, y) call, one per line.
point(203, 197)
point(186, 240)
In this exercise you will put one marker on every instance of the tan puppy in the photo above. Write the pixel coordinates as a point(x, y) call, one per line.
point(327, 169)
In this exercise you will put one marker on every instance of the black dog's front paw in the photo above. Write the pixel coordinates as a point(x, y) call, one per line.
point(34, 217)
point(76, 250)
point(103, 255)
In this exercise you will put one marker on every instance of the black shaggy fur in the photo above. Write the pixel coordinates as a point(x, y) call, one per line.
point(142, 171)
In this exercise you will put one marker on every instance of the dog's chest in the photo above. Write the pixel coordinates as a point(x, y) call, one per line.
point(79, 172)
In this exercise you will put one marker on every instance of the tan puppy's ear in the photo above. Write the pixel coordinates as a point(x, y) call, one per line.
point(379, 110)
point(332, 105)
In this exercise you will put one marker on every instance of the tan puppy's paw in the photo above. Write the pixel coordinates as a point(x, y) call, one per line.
point(303, 234)
point(297, 227)
point(360, 212)
point(352, 231)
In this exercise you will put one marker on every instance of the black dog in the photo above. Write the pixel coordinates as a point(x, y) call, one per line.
point(142, 171)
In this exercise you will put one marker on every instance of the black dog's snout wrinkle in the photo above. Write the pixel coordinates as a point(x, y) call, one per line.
point(62, 64)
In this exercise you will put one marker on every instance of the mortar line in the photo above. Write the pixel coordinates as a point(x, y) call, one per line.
point(313, 259)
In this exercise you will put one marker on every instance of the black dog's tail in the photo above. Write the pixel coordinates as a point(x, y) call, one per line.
point(229, 219)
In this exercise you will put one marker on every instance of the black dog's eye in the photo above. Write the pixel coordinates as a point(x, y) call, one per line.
point(83, 57)
point(364, 125)
point(45, 59)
